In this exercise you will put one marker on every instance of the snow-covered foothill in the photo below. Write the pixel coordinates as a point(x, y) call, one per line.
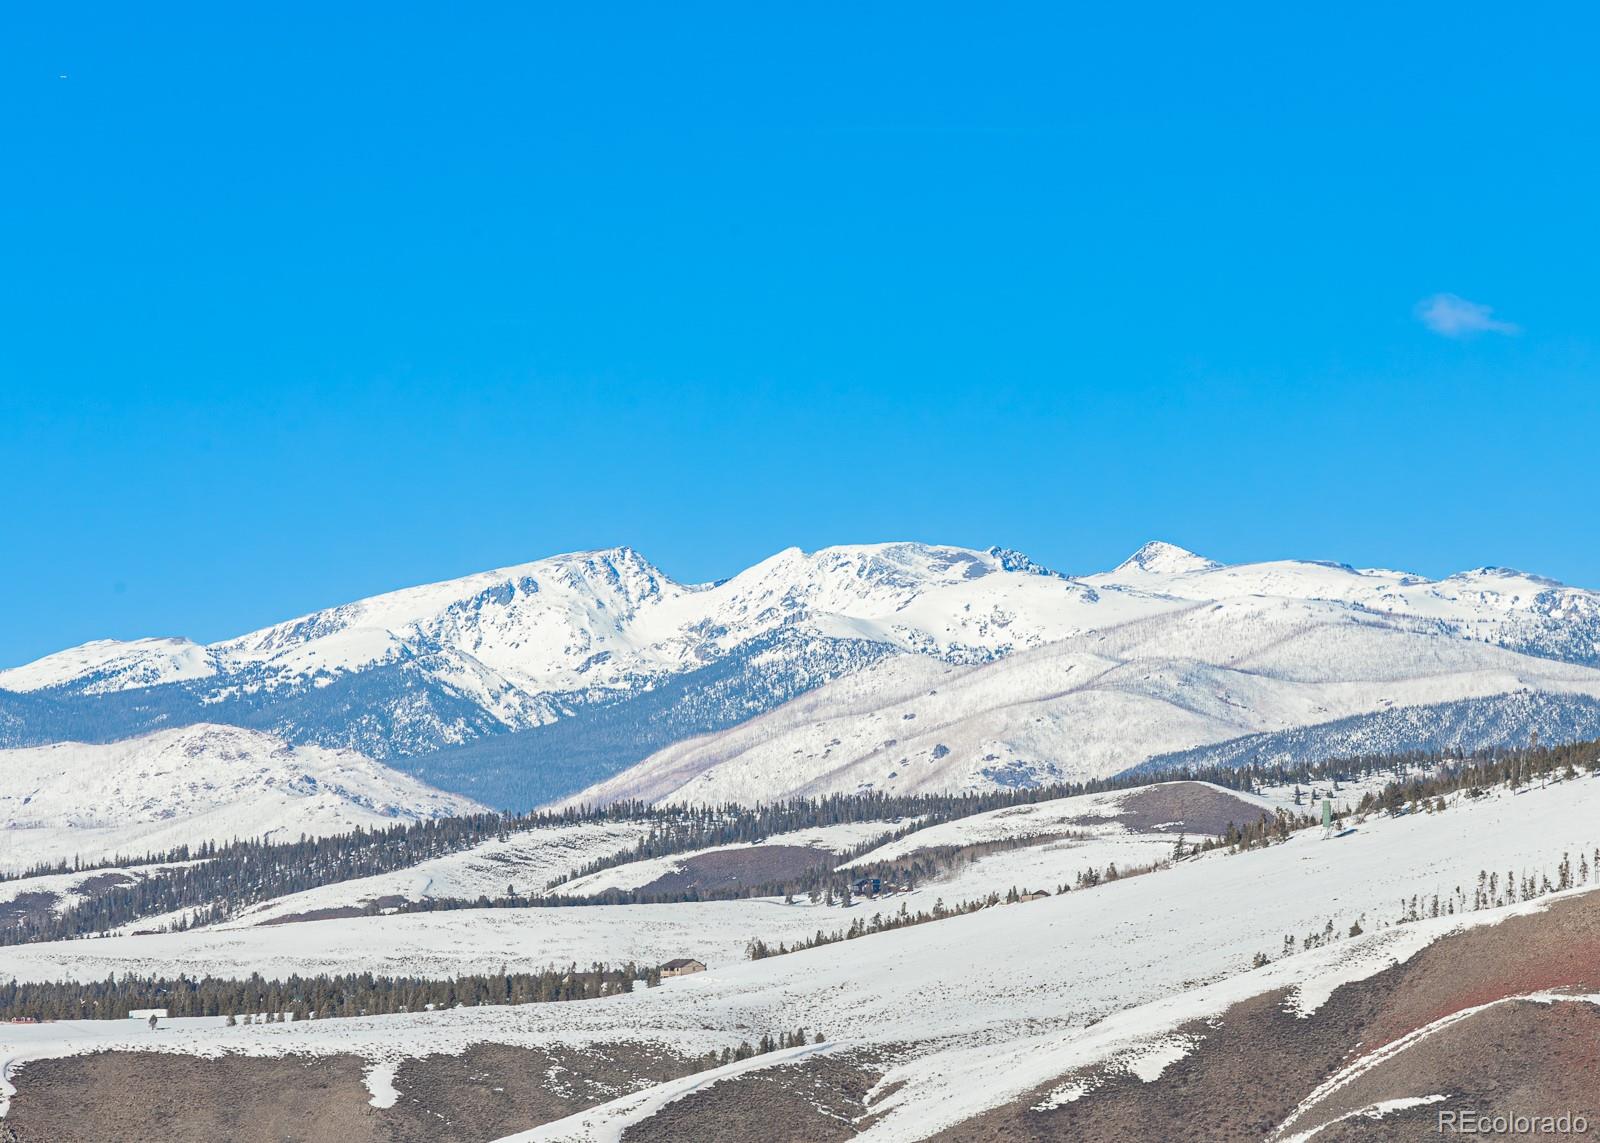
point(193, 784)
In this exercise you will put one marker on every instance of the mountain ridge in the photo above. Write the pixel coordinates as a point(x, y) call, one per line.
point(628, 660)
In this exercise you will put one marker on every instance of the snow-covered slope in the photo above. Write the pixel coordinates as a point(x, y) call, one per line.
point(1092, 704)
point(534, 680)
point(196, 783)
point(961, 1015)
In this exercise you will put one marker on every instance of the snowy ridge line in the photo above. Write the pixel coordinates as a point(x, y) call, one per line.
point(1382, 1055)
point(1380, 1110)
point(607, 1122)
point(592, 641)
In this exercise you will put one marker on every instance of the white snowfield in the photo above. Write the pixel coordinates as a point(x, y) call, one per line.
point(1088, 705)
point(435, 944)
point(531, 862)
point(193, 784)
point(998, 1003)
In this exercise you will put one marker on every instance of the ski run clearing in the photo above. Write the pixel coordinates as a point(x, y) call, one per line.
point(973, 1011)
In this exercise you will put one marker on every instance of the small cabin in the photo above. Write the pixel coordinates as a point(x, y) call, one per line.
point(868, 885)
point(682, 966)
point(1032, 895)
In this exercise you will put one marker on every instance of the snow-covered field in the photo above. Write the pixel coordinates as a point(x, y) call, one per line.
point(1000, 1001)
point(456, 942)
point(435, 944)
point(273, 940)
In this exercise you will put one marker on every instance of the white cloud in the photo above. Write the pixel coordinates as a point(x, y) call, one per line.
point(1452, 316)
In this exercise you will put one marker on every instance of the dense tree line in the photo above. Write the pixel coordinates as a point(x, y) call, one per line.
point(308, 997)
point(1475, 775)
point(1265, 830)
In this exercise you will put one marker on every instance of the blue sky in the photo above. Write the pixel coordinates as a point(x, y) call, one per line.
point(299, 306)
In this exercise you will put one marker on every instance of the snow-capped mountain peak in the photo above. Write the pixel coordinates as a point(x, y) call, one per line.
point(1158, 558)
point(1011, 560)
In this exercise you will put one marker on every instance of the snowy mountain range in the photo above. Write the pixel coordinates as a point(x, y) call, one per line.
point(534, 681)
point(1101, 702)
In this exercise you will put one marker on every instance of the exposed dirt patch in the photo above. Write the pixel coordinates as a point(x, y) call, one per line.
point(819, 1099)
point(104, 883)
point(337, 912)
point(131, 1097)
point(489, 1091)
point(1472, 1064)
point(26, 906)
point(493, 1090)
point(333, 913)
point(1252, 1068)
point(1557, 948)
point(39, 904)
point(1184, 807)
point(737, 868)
